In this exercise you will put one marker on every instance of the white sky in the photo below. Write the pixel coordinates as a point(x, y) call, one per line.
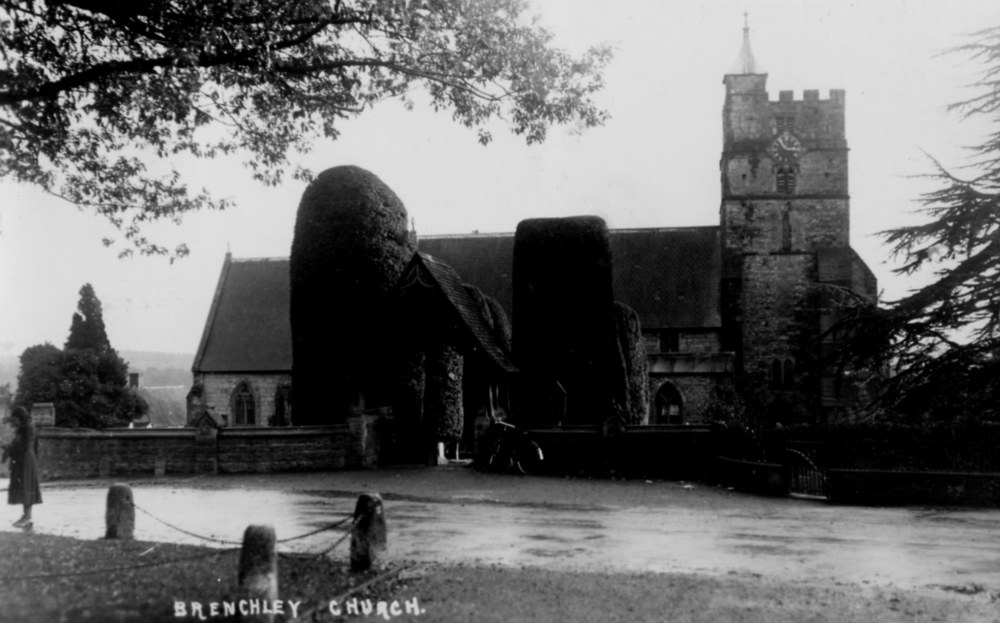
point(655, 163)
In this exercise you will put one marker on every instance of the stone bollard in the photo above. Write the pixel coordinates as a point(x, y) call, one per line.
point(119, 516)
point(368, 534)
point(258, 575)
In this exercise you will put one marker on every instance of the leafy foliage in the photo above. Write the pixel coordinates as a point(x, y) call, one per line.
point(944, 338)
point(87, 86)
point(88, 381)
point(40, 375)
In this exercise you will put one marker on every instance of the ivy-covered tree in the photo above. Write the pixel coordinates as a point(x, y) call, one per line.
point(443, 392)
point(87, 382)
point(939, 346)
point(90, 89)
point(632, 367)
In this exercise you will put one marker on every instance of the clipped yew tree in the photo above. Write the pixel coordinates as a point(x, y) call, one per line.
point(633, 366)
point(564, 327)
point(349, 248)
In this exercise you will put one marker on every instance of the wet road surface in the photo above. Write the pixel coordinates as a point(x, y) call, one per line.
point(455, 516)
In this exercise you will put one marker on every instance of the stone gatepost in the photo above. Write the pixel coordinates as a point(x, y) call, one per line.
point(364, 441)
point(481, 447)
point(206, 444)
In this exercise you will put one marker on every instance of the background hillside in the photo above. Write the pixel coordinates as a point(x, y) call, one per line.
point(157, 369)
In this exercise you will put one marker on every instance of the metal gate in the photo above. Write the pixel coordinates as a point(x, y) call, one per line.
point(805, 478)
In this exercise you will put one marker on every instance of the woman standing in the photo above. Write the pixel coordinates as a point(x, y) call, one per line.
point(24, 488)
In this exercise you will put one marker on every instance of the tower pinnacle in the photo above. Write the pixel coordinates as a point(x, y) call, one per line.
point(745, 62)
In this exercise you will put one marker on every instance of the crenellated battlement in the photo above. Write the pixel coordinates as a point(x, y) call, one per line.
point(810, 96)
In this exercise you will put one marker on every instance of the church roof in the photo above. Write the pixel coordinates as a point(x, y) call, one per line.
point(669, 276)
point(248, 327)
point(745, 62)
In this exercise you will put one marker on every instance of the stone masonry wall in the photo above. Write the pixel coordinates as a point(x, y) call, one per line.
point(695, 390)
point(65, 453)
point(698, 342)
point(219, 389)
point(780, 321)
point(77, 454)
point(761, 226)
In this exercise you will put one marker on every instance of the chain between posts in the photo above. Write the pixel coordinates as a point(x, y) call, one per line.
point(331, 526)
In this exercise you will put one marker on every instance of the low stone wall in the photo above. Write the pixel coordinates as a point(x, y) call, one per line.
point(886, 488)
point(65, 453)
point(660, 451)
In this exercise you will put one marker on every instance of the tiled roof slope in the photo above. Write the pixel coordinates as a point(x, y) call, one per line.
point(483, 260)
point(248, 327)
point(452, 287)
point(167, 405)
point(671, 277)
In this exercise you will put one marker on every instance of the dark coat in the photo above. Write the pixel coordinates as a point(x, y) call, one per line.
point(24, 488)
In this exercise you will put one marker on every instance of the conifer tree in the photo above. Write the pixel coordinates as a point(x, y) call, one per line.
point(87, 330)
point(937, 349)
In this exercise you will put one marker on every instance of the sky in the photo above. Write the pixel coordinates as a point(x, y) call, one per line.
point(653, 164)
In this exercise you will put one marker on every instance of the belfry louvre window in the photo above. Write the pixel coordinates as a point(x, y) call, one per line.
point(786, 181)
point(784, 122)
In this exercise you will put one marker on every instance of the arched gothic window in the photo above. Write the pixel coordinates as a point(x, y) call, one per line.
point(782, 374)
point(786, 181)
point(669, 405)
point(244, 409)
point(282, 406)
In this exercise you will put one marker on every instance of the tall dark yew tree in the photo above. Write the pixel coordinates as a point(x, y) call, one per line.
point(349, 248)
point(942, 341)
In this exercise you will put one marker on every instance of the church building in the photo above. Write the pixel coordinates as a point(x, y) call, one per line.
point(744, 303)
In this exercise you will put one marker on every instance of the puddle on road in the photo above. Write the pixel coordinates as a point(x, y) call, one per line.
point(810, 542)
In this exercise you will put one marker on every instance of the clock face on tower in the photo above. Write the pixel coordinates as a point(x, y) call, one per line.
point(786, 148)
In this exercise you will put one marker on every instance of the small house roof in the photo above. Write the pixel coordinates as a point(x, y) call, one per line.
point(167, 405)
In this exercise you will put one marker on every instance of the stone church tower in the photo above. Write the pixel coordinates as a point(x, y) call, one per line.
point(785, 224)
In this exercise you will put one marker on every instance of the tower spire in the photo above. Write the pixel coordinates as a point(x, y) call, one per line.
point(745, 62)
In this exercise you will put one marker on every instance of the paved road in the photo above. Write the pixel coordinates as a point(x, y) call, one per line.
point(458, 515)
